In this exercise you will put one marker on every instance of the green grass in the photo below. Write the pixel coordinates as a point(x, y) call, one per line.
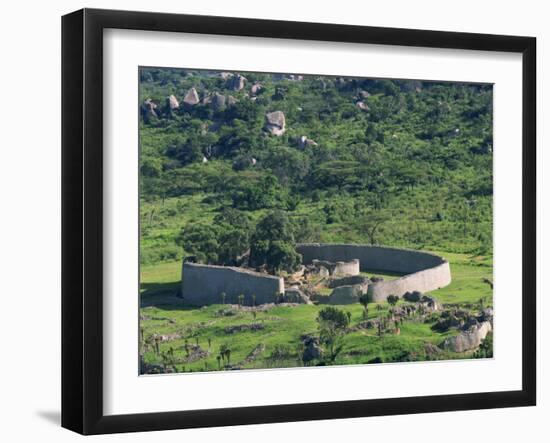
point(163, 314)
point(467, 273)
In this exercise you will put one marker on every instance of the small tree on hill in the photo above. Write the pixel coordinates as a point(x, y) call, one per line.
point(365, 299)
point(332, 326)
point(371, 224)
point(392, 299)
point(273, 244)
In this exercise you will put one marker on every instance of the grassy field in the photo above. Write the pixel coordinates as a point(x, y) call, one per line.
point(189, 339)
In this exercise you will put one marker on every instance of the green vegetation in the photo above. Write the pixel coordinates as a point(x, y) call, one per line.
point(409, 167)
point(163, 314)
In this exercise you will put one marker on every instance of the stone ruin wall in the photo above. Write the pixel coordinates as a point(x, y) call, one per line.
point(343, 268)
point(339, 268)
point(203, 284)
point(425, 271)
point(423, 281)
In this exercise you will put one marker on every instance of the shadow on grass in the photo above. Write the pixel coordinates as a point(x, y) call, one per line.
point(163, 296)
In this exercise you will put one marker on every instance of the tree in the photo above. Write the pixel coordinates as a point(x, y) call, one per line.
point(485, 348)
point(240, 299)
point(272, 244)
point(371, 223)
point(223, 297)
point(332, 326)
point(200, 241)
point(233, 244)
point(282, 256)
point(228, 355)
point(225, 353)
point(365, 299)
point(188, 152)
point(267, 193)
point(234, 228)
point(392, 299)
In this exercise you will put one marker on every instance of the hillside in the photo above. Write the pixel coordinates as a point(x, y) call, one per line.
point(401, 163)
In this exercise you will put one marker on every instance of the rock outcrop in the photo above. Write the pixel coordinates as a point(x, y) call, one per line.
point(149, 109)
point(275, 123)
point(236, 82)
point(345, 295)
point(312, 348)
point(255, 89)
point(295, 295)
point(191, 98)
point(304, 142)
point(172, 102)
point(362, 105)
point(467, 340)
point(218, 101)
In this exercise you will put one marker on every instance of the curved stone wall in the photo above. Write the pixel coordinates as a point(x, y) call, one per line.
point(339, 268)
point(203, 284)
point(344, 268)
point(425, 271)
point(423, 281)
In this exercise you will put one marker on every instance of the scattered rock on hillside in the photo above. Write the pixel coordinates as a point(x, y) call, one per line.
point(468, 340)
point(256, 88)
point(275, 123)
point(486, 315)
point(244, 327)
point(218, 101)
point(191, 98)
point(312, 348)
point(295, 77)
point(149, 109)
point(431, 349)
point(362, 105)
point(236, 82)
point(429, 303)
point(295, 295)
point(172, 102)
point(304, 142)
point(345, 295)
point(195, 353)
point(231, 100)
point(364, 94)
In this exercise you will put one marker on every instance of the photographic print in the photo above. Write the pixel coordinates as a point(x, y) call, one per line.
point(298, 221)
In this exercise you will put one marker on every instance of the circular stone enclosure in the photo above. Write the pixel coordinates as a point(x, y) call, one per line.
point(423, 271)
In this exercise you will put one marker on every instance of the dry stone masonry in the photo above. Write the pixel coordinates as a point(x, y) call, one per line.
point(425, 271)
point(341, 264)
point(204, 285)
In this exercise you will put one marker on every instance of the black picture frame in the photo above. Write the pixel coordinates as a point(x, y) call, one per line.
point(82, 218)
